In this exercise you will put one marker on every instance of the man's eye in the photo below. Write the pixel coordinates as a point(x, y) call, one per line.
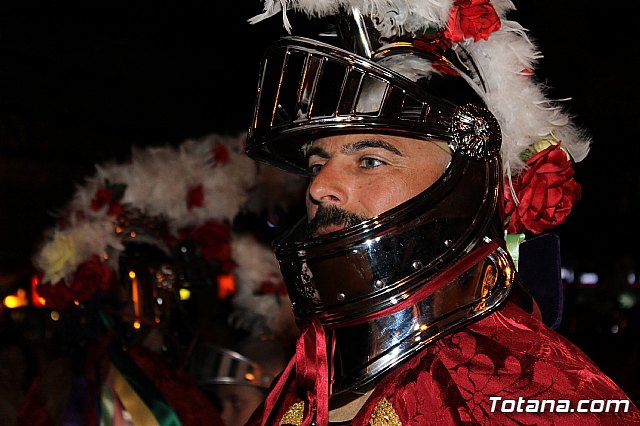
point(314, 169)
point(371, 163)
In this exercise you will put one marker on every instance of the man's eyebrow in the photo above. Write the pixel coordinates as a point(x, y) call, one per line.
point(316, 150)
point(369, 143)
point(354, 147)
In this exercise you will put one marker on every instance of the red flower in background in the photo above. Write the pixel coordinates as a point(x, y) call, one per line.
point(91, 277)
point(272, 285)
point(546, 191)
point(472, 18)
point(214, 240)
point(195, 196)
point(219, 154)
point(105, 197)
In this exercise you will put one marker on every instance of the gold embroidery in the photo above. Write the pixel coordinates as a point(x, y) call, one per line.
point(384, 415)
point(294, 415)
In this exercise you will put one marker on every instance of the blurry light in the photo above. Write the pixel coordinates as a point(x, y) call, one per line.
point(249, 377)
point(159, 300)
point(185, 294)
point(589, 278)
point(567, 275)
point(76, 302)
point(226, 286)
point(136, 325)
point(632, 279)
point(135, 297)
point(270, 225)
point(133, 234)
point(423, 327)
point(18, 300)
point(36, 300)
point(55, 315)
point(627, 300)
point(615, 328)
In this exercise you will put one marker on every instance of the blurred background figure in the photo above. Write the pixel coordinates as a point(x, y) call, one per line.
point(237, 372)
point(138, 269)
point(150, 260)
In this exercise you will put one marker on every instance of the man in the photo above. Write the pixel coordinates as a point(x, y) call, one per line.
point(411, 307)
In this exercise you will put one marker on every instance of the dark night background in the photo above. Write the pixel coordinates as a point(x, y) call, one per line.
point(81, 82)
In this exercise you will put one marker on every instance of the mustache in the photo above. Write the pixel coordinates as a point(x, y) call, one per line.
point(332, 215)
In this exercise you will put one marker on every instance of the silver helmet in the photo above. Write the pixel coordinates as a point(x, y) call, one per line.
point(385, 288)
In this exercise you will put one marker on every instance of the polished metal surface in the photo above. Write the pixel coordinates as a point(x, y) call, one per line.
point(212, 365)
point(395, 252)
point(308, 89)
point(366, 351)
point(362, 270)
point(353, 279)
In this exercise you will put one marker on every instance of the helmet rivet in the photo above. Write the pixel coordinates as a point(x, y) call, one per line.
point(340, 296)
point(378, 284)
point(448, 243)
point(416, 264)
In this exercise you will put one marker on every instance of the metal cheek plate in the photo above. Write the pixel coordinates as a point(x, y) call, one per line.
point(366, 351)
point(476, 132)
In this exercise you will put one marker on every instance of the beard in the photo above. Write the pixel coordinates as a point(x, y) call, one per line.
point(331, 215)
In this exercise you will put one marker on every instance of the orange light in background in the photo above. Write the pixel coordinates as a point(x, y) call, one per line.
point(37, 301)
point(226, 286)
point(18, 300)
point(135, 297)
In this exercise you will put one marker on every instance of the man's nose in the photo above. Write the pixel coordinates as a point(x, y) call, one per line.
point(329, 186)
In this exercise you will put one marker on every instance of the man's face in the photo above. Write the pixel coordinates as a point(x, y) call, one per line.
point(237, 403)
point(359, 176)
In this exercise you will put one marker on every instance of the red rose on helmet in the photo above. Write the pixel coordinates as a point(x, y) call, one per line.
point(219, 155)
point(195, 196)
point(106, 197)
point(90, 277)
point(546, 192)
point(471, 18)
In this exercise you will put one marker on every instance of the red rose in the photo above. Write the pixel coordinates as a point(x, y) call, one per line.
point(546, 192)
point(104, 197)
point(90, 277)
point(219, 154)
point(472, 18)
point(195, 197)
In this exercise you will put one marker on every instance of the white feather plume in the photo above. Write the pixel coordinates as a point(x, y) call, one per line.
point(156, 182)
